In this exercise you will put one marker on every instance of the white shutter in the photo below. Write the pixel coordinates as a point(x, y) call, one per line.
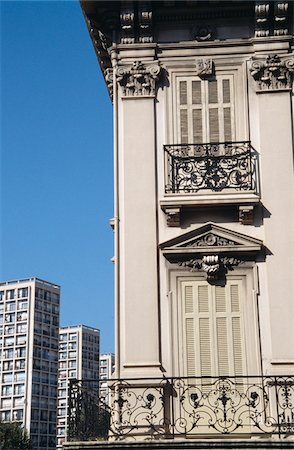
point(205, 109)
point(213, 329)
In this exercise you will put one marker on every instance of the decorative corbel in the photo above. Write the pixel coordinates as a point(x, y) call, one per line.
point(127, 17)
point(173, 218)
point(139, 79)
point(273, 73)
point(109, 80)
point(246, 215)
point(281, 18)
point(262, 26)
point(145, 22)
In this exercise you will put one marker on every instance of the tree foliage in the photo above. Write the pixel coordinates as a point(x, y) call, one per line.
point(13, 437)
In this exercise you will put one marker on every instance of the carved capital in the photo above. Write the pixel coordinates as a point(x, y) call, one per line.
point(273, 73)
point(204, 67)
point(109, 80)
point(214, 266)
point(139, 79)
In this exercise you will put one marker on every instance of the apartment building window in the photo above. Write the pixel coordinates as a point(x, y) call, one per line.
point(22, 304)
point(10, 317)
point(205, 110)
point(7, 390)
point(10, 306)
point(6, 416)
point(7, 365)
point(9, 329)
point(19, 389)
point(10, 295)
point(22, 292)
point(18, 414)
point(2, 294)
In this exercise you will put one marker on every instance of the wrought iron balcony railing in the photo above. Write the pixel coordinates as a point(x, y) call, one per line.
point(182, 407)
point(213, 167)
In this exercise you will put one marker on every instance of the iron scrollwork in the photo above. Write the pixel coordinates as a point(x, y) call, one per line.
point(170, 407)
point(212, 167)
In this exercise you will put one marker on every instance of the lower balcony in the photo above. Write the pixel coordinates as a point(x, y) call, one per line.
point(223, 409)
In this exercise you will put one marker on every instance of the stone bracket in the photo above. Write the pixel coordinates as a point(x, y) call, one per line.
point(173, 218)
point(246, 214)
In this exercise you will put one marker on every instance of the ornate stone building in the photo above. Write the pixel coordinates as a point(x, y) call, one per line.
point(204, 219)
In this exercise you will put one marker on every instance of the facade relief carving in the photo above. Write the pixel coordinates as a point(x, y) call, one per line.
point(212, 240)
point(204, 67)
point(273, 73)
point(214, 266)
point(139, 79)
point(127, 16)
point(281, 18)
point(262, 10)
point(145, 23)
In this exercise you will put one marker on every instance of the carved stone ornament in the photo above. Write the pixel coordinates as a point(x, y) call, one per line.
point(203, 33)
point(281, 18)
point(145, 22)
point(262, 26)
point(211, 239)
point(127, 16)
point(138, 79)
point(109, 80)
point(204, 67)
point(273, 73)
point(214, 266)
point(173, 217)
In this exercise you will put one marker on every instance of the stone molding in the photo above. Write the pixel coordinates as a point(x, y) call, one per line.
point(281, 18)
point(271, 18)
point(138, 79)
point(273, 73)
point(262, 23)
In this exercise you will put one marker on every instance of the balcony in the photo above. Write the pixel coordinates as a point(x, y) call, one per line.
point(187, 408)
point(210, 174)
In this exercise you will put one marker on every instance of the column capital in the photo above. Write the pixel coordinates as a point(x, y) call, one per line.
point(272, 73)
point(139, 79)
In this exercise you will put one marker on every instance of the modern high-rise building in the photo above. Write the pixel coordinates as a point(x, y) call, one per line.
point(106, 371)
point(78, 359)
point(29, 326)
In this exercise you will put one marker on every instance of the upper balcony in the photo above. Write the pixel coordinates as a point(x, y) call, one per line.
point(210, 174)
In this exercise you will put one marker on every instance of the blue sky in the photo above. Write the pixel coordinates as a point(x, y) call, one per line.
point(56, 160)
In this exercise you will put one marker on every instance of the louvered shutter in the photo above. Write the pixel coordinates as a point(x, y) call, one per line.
point(214, 341)
point(205, 110)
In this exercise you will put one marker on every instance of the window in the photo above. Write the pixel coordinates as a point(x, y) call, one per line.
point(10, 294)
point(18, 414)
point(205, 110)
point(6, 416)
point(22, 292)
point(213, 334)
point(19, 389)
point(1, 295)
point(7, 390)
point(10, 306)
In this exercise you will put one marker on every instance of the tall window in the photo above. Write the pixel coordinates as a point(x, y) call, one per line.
point(213, 331)
point(205, 110)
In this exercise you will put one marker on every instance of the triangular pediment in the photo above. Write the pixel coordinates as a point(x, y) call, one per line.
point(211, 239)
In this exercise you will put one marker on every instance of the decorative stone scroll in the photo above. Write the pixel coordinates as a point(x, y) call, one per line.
point(273, 73)
point(214, 266)
point(109, 80)
point(204, 67)
point(139, 79)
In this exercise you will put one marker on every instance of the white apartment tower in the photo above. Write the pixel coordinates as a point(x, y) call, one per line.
point(106, 370)
point(29, 326)
point(78, 360)
point(202, 97)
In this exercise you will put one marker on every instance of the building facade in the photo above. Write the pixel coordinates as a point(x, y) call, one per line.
point(78, 360)
point(204, 214)
point(29, 325)
point(106, 370)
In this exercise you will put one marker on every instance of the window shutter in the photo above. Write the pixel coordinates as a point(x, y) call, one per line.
point(213, 329)
point(205, 109)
